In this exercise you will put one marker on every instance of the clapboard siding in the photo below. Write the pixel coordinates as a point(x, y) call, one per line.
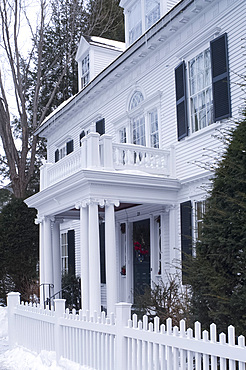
point(156, 72)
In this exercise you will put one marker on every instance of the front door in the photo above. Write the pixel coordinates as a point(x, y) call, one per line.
point(141, 256)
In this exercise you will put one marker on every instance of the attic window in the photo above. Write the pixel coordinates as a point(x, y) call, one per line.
point(85, 76)
point(152, 11)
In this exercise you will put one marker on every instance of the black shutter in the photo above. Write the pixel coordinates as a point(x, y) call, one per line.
point(186, 234)
point(100, 126)
point(102, 252)
point(57, 155)
point(181, 103)
point(220, 78)
point(69, 146)
point(71, 251)
point(82, 134)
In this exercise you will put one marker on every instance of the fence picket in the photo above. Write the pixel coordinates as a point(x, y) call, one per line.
point(198, 357)
point(241, 343)
point(205, 356)
point(190, 353)
point(182, 351)
point(222, 340)
point(231, 342)
point(175, 350)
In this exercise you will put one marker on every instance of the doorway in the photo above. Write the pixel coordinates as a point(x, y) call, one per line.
point(141, 256)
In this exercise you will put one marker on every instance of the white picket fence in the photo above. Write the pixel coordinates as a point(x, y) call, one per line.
point(122, 343)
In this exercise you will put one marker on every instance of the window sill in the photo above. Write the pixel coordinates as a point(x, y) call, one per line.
point(213, 127)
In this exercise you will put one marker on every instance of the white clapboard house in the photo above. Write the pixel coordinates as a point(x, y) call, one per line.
point(122, 191)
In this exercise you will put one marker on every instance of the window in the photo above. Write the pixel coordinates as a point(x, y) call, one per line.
point(68, 252)
point(199, 213)
point(64, 253)
point(122, 135)
point(208, 88)
point(136, 99)
point(138, 130)
point(200, 84)
point(152, 12)
point(85, 77)
point(154, 132)
point(64, 150)
point(135, 22)
point(142, 127)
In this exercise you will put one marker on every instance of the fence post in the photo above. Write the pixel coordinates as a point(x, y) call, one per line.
point(13, 300)
point(59, 311)
point(123, 314)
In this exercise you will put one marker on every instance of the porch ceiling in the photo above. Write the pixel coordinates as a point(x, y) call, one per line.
point(127, 188)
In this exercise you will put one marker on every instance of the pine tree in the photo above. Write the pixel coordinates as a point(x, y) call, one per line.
point(18, 249)
point(217, 274)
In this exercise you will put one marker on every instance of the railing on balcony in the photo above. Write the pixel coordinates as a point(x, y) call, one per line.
point(137, 157)
point(101, 153)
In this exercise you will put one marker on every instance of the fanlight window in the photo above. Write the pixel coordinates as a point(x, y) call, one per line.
point(136, 99)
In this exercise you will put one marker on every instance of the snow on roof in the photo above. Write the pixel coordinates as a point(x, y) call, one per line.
point(56, 110)
point(106, 43)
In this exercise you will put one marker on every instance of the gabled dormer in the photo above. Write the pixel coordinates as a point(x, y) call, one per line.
point(93, 55)
point(142, 14)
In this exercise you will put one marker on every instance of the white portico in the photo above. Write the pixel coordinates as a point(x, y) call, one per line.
point(96, 186)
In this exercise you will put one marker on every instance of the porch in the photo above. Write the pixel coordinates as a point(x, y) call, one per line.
point(105, 180)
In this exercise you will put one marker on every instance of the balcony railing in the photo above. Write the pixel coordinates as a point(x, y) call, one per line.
point(102, 154)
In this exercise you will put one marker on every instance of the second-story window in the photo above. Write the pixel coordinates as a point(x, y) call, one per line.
point(64, 150)
point(207, 98)
point(85, 77)
point(200, 83)
point(142, 126)
point(154, 131)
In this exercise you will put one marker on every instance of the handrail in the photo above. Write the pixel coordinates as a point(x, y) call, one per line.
point(50, 286)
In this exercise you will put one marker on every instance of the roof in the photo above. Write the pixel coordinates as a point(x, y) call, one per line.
point(105, 43)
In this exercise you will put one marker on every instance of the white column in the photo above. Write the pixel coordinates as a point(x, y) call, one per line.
point(173, 239)
point(56, 256)
point(110, 257)
point(94, 259)
point(153, 251)
point(41, 260)
point(48, 258)
point(84, 257)
point(129, 261)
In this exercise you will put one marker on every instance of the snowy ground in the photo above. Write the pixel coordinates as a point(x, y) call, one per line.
point(20, 359)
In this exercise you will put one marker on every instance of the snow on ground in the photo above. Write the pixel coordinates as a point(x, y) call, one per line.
point(21, 359)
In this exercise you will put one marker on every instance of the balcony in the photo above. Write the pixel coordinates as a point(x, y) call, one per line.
point(101, 153)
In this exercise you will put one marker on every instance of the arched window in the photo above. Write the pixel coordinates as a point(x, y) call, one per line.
point(141, 126)
point(136, 99)
point(138, 121)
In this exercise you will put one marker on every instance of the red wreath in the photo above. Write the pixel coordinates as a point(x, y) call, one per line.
point(138, 248)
